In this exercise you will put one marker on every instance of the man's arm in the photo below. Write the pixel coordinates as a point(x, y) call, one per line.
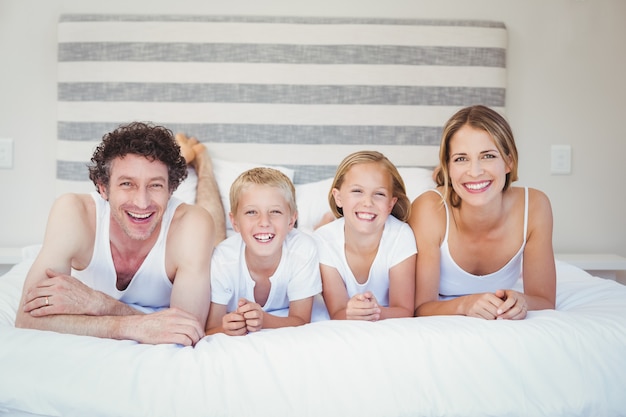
point(64, 294)
point(51, 299)
point(188, 259)
point(68, 242)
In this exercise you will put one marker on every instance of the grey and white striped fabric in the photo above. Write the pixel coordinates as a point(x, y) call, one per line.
point(300, 92)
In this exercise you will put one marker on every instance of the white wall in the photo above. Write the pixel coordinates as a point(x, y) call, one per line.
point(566, 66)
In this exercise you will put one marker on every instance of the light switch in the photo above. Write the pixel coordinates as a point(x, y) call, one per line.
point(561, 160)
point(6, 153)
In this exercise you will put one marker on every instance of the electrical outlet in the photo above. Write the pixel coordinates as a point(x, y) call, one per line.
point(561, 160)
point(6, 153)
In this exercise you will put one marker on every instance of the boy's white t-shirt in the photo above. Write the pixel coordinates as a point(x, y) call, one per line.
point(297, 275)
point(396, 244)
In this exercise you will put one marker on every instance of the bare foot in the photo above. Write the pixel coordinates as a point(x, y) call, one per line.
point(201, 157)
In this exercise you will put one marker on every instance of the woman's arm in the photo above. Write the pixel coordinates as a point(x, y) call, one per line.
point(428, 221)
point(539, 274)
point(427, 212)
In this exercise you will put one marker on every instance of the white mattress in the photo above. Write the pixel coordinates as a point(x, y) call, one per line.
point(568, 362)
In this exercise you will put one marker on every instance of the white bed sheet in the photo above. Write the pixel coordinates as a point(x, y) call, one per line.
point(568, 362)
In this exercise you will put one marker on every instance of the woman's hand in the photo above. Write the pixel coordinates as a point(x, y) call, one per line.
point(514, 306)
point(503, 304)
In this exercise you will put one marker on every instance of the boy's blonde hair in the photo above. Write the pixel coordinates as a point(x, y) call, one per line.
point(401, 209)
point(263, 176)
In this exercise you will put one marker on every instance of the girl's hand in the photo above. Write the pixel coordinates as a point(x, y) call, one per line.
point(363, 307)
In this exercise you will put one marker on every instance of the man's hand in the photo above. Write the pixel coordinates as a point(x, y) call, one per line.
point(63, 294)
point(171, 325)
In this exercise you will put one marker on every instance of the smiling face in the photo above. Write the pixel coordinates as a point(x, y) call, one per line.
point(138, 194)
point(365, 197)
point(263, 218)
point(476, 167)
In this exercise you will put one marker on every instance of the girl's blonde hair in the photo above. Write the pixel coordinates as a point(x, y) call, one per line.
point(483, 118)
point(401, 209)
point(263, 176)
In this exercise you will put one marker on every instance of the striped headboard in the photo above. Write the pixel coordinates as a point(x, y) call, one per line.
point(301, 92)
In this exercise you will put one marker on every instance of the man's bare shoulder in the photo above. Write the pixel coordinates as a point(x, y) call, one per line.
point(69, 237)
point(77, 206)
point(190, 239)
point(74, 215)
point(186, 213)
point(191, 223)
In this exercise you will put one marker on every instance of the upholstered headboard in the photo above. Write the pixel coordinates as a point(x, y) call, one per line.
point(300, 92)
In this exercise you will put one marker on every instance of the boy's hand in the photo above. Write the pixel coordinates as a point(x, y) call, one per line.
point(234, 324)
point(252, 313)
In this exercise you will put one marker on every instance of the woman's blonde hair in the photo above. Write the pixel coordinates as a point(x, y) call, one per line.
point(263, 176)
point(401, 209)
point(483, 118)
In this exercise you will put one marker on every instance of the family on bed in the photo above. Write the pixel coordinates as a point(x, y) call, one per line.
point(129, 261)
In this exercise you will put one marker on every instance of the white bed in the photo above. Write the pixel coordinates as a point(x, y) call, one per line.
point(300, 94)
point(568, 362)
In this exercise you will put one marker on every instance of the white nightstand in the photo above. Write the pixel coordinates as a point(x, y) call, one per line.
point(604, 265)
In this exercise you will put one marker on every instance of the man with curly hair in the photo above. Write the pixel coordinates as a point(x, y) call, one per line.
point(128, 261)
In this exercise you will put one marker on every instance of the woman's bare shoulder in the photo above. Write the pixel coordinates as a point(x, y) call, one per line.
point(539, 207)
point(536, 198)
point(429, 198)
point(428, 216)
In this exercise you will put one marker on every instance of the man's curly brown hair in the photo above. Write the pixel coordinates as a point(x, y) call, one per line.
point(156, 143)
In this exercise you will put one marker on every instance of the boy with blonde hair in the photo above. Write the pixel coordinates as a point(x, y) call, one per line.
point(269, 266)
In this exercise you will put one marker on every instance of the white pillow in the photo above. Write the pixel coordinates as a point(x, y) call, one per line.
point(186, 190)
point(416, 181)
point(312, 198)
point(312, 201)
point(225, 174)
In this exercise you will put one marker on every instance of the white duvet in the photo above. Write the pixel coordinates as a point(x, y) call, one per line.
point(568, 362)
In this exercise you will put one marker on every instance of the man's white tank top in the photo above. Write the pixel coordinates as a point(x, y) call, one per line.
point(150, 287)
point(454, 281)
